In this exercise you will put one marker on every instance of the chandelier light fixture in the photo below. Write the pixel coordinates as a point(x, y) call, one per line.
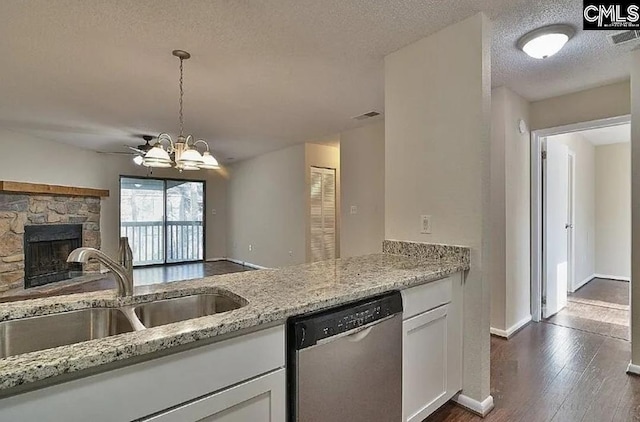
point(181, 154)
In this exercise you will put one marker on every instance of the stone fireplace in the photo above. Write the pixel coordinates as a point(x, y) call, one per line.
point(37, 231)
point(46, 248)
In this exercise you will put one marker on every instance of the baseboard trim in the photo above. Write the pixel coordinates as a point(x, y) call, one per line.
point(479, 408)
point(633, 369)
point(247, 264)
point(582, 283)
point(612, 277)
point(511, 330)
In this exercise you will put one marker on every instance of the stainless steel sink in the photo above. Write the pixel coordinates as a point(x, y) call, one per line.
point(168, 311)
point(44, 332)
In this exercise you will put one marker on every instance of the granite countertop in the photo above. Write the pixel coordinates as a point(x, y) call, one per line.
point(271, 297)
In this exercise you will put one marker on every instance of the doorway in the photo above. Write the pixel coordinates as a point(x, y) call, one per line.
point(163, 219)
point(581, 226)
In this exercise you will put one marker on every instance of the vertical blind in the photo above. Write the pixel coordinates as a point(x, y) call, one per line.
point(323, 214)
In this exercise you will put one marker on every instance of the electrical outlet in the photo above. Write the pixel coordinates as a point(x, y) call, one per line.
point(290, 253)
point(250, 247)
point(213, 211)
point(354, 209)
point(425, 224)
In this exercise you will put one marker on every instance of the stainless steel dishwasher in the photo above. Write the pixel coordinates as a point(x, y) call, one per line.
point(345, 364)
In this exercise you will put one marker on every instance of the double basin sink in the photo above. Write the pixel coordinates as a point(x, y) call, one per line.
point(44, 332)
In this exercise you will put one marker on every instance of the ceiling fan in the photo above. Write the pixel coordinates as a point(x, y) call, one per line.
point(141, 149)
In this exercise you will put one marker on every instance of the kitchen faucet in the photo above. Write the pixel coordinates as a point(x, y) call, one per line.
point(124, 277)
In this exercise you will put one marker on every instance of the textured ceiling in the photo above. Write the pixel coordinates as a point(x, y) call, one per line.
point(264, 74)
point(608, 135)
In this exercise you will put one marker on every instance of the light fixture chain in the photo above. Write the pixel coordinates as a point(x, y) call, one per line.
point(181, 95)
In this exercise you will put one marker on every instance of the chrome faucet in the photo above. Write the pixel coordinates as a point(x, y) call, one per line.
point(124, 278)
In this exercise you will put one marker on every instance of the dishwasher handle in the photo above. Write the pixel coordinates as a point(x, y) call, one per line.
point(355, 334)
point(356, 337)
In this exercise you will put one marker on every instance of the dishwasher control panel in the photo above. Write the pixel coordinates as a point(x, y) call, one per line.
point(309, 329)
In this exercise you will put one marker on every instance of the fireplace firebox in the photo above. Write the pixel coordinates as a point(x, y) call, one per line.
point(46, 248)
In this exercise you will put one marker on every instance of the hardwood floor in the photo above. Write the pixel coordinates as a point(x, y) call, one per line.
point(552, 373)
point(600, 306)
point(142, 277)
point(168, 273)
point(604, 290)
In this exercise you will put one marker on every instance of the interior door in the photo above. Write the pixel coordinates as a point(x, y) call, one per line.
point(323, 214)
point(556, 211)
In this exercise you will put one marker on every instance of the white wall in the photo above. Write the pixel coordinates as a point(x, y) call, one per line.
point(266, 208)
point(362, 184)
point(497, 268)
point(613, 210)
point(584, 197)
point(268, 204)
point(39, 160)
point(592, 104)
point(510, 213)
point(635, 210)
point(437, 152)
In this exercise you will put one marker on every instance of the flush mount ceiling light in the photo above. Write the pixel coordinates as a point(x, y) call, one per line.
point(181, 154)
point(546, 41)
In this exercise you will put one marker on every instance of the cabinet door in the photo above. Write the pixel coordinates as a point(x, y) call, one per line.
point(425, 363)
point(259, 400)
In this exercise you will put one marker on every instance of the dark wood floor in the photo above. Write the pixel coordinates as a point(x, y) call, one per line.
point(547, 372)
point(169, 273)
point(142, 277)
point(600, 306)
point(604, 290)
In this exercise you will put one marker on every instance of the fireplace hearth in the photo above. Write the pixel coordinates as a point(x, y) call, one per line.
point(46, 249)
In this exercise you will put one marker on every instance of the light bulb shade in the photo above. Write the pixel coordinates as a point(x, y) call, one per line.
point(209, 162)
point(546, 41)
point(157, 157)
point(138, 160)
point(189, 158)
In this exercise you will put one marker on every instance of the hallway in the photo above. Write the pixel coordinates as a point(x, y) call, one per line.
point(601, 307)
point(552, 373)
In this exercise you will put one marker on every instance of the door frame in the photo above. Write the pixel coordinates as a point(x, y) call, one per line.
point(204, 216)
point(571, 273)
point(537, 137)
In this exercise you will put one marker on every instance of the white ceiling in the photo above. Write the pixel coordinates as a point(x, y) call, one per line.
point(608, 135)
point(264, 74)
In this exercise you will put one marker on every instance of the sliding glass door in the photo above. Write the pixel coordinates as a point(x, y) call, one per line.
point(163, 219)
point(184, 225)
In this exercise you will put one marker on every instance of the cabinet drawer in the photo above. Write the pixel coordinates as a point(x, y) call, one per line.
point(259, 400)
point(419, 299)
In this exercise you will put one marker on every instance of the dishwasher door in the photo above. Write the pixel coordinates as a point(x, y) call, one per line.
point(353, 377)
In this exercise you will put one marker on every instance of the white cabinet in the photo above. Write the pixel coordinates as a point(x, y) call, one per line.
point(259, 400)
point(432, 346)
point(242, 374)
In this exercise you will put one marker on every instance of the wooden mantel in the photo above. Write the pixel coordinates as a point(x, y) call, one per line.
point(41, 189)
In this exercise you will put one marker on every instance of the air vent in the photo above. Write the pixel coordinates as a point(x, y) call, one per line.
point(366, 115)
point(623, 37)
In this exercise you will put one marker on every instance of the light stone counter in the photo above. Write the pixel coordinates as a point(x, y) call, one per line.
point(271, 296)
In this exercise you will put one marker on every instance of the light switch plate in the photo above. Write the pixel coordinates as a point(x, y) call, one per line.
point(425, 224)
point(354, 209)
